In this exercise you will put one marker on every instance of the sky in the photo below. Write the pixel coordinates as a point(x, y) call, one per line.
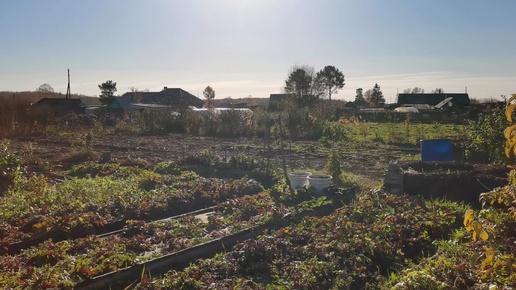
point(246, 48)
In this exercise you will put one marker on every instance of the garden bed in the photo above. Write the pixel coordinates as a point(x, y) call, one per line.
point(88, 206)
point(82, 259)
point(356, 247)
point(452, 180)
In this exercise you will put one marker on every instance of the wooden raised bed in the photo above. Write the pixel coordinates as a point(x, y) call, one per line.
point(178, 260)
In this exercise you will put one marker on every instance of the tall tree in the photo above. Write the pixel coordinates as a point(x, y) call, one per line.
point(359, 95)
point(301, 84)
point(209, 95)
point(376, 98)
point(107, 91)
point(331, 80)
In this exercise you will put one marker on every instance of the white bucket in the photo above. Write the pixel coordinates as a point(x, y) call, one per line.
point(298, 179)
point(319, 182)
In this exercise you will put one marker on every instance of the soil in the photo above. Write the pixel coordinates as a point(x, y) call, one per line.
point(53, 153)
point(456, 181)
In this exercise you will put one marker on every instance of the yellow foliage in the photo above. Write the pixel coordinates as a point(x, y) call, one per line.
point(510, 136)
point(510, 132)
point(509, 110)
point(469, 217)
point(489, 258)
point(478, 231)
point(475, 226)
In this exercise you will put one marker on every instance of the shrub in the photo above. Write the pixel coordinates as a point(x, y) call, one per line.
point(487, 140)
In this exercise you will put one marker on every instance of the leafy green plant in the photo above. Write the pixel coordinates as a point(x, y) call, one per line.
point(487, 142)
point(334, 167)
point(167, 168)
point(11, 164)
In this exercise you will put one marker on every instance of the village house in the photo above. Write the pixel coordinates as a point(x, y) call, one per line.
point(175, 99)
point(453, 101)
point(58, 107)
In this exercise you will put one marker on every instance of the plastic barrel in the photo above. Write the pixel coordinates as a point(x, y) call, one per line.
point(320, 181)
point(298, 179)
point(437, 150)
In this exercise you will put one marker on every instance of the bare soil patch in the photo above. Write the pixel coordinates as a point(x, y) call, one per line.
point(51, 153)
point(456, 181)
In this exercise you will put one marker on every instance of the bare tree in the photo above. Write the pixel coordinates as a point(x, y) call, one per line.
point(414, 90)
point(438, 91)
point(136, 94)
point(45, 88)
point(367, 95)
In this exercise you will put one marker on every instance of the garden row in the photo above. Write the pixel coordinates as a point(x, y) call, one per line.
point(66, 263)
point(377, 242)
point(32, 210)
point(356, 247)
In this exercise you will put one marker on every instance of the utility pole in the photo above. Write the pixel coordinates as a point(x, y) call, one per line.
point(68, 96)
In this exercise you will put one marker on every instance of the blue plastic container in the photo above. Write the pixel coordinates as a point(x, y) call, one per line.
point(437, 150)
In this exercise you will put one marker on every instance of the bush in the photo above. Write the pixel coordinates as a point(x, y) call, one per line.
point(487, 140)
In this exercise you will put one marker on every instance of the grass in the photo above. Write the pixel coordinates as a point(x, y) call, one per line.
point(350, 179)
point(401, 133)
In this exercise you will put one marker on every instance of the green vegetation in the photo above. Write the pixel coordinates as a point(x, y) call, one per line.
point(355, 247)
point(391, 133)
point(373, 240)
point(65, 263)
point(487, 138)
point(32, 209)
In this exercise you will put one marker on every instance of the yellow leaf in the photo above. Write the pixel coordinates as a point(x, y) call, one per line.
point(510, 143)
point(509, 110)
point(489, 254)
point(478, 230)
point(511, 99)
point(509, 131)
point(489, 258)
point(484, 236)
point(469, 217)
point(477, 226)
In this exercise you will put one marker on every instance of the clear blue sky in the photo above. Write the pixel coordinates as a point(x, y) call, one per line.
point(246, 47)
